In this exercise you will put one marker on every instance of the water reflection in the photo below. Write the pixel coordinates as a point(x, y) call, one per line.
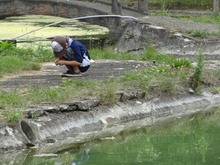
point(84, 158)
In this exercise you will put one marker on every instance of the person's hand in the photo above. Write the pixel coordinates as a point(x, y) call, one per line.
point(56, 61)
point(59, 62)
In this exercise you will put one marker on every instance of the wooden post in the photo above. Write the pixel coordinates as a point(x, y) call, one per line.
point(143, 6)
point(116, 7)
point(216, 7)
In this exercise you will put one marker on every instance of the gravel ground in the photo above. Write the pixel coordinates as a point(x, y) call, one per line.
point(168, 22)
point(175, 24)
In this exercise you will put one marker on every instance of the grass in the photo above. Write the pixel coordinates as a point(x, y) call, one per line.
point(11, 99)
point(198, 34)
point(13, 116)
point(14, 60)
point(167, 75)
point(205, 19)
point(13, 65)
point(175, 4)
point(149, 55)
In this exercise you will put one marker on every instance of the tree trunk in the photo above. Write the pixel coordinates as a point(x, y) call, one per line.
point(115, 23)
point(116, 7)
point(216, 7)
point(143, 6)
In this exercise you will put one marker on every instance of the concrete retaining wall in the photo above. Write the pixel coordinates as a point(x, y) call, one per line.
point(80, 127)
point(72, 127)
point(60, 8)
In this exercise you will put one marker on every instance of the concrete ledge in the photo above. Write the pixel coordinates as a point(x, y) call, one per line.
point(59, 131)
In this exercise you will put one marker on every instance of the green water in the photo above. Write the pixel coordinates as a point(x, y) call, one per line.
point(17, 26)
point(189, 141)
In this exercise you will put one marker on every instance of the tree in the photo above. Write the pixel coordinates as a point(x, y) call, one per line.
point(216, 6)
point(116, 7)
point(143, 6)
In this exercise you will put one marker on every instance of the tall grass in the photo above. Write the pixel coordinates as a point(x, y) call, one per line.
point(162, 4)
point(39, 54)
point(15, 59)
point(13, 65)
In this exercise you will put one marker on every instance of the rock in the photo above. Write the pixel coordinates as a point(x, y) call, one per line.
point(10, 139)
point(46, 155)
point(191, 91)
point(131, 39)
point(85, 105)
point(137, 35)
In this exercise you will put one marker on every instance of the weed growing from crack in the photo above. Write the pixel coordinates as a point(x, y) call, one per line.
point(12, 116)
point(196, 78)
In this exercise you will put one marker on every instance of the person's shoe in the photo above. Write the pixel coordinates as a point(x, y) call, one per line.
point(71, 74)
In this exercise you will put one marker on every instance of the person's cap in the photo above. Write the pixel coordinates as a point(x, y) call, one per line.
point(58, 45)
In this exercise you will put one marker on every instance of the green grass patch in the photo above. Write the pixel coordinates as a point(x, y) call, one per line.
point(180, 4)
point(11, 99)
point(108, 94)
point(149, 55)
point(14, 59)
point(178, 63)
point(13, 116)
point(198, 34)
point(67, 91)
point(163, 78)
point(15, 65)
point(29, 54)
point(174, 4)
point(204, 18)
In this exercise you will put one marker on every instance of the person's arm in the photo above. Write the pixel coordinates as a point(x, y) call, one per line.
point(78, 50)
point(64, 62)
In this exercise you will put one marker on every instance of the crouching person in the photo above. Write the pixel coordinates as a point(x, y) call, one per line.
point(71, 53)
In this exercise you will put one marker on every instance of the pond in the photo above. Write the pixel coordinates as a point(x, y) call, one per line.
point(32, 30)
point(183, 141)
